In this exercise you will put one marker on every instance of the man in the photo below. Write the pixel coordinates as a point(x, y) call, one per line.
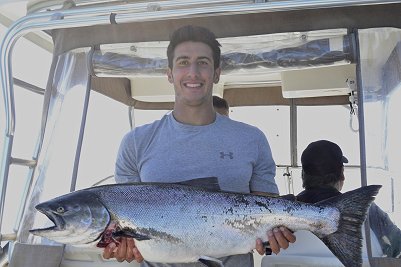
point(194, 141)
point(323, 177)
point(221, 105)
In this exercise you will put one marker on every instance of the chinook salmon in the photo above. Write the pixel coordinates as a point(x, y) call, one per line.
point(181, 223)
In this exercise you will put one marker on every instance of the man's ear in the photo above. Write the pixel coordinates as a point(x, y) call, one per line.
point(342, 177)
point(170, 75)
point(216, 77)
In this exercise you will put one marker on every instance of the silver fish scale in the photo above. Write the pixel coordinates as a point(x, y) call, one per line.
point(168, 215)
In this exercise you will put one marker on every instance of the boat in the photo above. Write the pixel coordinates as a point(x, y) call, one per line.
point(300, 70)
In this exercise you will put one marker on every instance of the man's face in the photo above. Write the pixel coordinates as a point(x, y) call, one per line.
point(193, 73)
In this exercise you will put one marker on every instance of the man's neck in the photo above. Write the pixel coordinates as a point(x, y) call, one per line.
point(194, 115)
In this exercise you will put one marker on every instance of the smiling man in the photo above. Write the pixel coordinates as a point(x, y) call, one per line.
point(193, 69)
point(194, 141)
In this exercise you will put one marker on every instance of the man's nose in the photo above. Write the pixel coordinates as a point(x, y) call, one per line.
point(193, 70)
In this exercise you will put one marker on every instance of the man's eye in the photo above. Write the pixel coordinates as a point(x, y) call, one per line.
point(183, 63)
point(203, 63)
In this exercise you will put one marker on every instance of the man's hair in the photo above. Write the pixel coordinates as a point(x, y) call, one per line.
point(219, 102)
point(194, 34)
point(311, 181)
point(322, 164)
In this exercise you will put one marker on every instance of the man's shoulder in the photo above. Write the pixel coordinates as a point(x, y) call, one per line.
point(145, 128)
point(143, 132)
point(241, 126)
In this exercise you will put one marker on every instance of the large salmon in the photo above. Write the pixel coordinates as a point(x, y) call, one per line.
point(180, 223)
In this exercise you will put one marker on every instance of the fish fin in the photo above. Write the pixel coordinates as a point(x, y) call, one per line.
point(346, 242)
point(211, 262)
point(210, 183)
point(130, 233)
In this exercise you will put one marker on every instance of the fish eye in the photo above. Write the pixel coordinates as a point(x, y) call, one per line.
point(60, 210)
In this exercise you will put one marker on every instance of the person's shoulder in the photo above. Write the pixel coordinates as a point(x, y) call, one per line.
point(147, 128)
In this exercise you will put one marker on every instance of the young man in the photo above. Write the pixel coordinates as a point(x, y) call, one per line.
point(323, 177)
point(194, 141)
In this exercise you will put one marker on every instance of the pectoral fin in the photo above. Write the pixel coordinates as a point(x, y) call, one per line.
point(211, 262)
point(130, 233)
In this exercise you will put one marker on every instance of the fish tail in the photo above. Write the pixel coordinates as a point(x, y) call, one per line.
point(346, 242)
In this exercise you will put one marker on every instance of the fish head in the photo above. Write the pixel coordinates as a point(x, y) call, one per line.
point(78, 218)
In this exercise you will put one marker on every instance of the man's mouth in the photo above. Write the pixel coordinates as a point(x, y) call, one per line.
point(193, 85)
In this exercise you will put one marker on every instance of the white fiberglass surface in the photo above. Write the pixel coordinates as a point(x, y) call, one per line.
point(274, 121)
point(333, 123)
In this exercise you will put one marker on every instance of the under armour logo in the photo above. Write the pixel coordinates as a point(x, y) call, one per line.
point(229, 154)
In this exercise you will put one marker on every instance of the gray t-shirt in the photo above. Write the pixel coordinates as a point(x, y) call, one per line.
point(167, 151)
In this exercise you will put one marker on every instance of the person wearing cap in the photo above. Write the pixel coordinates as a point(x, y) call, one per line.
point(323, 177)
point(322, 171)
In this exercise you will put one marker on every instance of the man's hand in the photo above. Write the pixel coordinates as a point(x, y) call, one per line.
point(278, 238)
point(125, 251)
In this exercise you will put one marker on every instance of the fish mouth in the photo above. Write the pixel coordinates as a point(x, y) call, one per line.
point(57, 220)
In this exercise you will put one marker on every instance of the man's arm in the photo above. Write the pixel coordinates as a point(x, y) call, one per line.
point(388, 234)
point(126, 169)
